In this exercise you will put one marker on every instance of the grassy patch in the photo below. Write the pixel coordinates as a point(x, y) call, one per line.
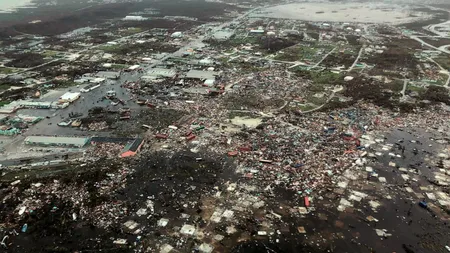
point(119, 66)
point(65, 84)
point(316, 100)
point(50, 53)
point(306, 107)
point(297, 53)
point(6, 70)
point(236, 41)
point(4, 87)
point(444, 62)
point(131, 30)
point(415, 88)
point(2, 103)
point(320, 77)
point(436, 94)
point(396, 85)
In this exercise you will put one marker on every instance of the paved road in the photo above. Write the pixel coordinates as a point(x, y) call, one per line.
point(445, 71)
point(357, 59)
point(405, 85)
point(321, 106)
point(446, 51)
point(318, 63)
point(50, 157)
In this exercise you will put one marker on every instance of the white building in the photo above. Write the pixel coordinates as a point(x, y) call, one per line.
point(134, 18)
point(257, 31)
point(69, 97)
point(177, 35)
point(134, 67)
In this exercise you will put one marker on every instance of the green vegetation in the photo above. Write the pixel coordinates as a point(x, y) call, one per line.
point(138, 49)
point(131, 30)
point(110, 48)
point(396, 85)
point(415, 88)
point(306, 107)
point(442, 78)
point(2, 103)
point(444, 62)
point(64, 84)
point(119, 66)
point(237, 41)
point(437, 94)
point(326, 77)
point(320, 77)
point(297, 53)
point(4, 86)
point(316, 100)
point(50, 53)
point(6, 70)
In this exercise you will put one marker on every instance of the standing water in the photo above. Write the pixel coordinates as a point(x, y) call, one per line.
point(10, 5)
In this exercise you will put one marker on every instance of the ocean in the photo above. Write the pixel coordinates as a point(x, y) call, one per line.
point(9, 5)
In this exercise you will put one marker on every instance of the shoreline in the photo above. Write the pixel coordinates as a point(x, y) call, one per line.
point(11, 6)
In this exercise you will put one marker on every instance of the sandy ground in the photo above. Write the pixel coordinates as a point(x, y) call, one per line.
point(343, 12)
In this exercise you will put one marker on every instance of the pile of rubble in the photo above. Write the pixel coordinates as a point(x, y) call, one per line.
point(106, 150)
point(98, 126)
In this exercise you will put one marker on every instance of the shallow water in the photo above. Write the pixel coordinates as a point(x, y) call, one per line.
point(8, 5)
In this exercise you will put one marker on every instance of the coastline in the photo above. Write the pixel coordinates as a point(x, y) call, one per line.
point(11, 6)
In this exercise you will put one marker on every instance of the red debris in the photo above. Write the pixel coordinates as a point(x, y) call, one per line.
point(232, 153)
point(248, 175)
point(307, 202)
point(161, 136)
point(245, 148)
point(348, 138)
point(377, 120)
point(190, 137)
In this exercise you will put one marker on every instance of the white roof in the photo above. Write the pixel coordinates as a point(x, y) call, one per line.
point(177, 34)
point(70, 96)
point(98, 80)
point(209, 81)
point(133, 67)
point(77, 141)
point(206, 61)
point(199, 74)
point(136, 18)
point(149, 77)
point(161, 72)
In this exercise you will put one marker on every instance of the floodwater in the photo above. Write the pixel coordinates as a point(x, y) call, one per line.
point(9, 5)
point(344, 12)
